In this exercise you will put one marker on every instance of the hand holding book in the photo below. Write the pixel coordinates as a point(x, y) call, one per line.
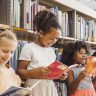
point(90, 64)
point(57, 69)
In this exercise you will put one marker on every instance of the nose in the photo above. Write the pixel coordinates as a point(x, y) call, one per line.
point(84, 56)
point(53, 41)
point(8, 55)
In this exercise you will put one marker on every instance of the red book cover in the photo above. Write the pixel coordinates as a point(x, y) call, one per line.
point(56, 69)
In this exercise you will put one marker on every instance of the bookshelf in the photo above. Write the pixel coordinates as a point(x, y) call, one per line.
point(71, 15)
point(17, 9)
point(74, 13)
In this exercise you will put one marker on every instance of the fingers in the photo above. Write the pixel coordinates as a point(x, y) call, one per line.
point(63, 76)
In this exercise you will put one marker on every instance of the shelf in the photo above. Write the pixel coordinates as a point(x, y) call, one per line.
point(23, 34)
point(51, 3)
point(67, 38)
point(90, 42)
point(79, 7)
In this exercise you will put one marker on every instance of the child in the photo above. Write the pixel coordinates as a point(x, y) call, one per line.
point(8, 44)
point(94, 77)
point(79, 81)
point(36, 56)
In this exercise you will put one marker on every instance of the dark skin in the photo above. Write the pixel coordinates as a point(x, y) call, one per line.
point(44, 40)
point(36, 73)
point(79, 58)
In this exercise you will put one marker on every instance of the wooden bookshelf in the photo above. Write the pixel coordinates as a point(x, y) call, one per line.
point(63, 5)
point(79, 7)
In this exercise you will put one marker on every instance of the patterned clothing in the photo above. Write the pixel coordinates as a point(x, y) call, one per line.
point(85, 87)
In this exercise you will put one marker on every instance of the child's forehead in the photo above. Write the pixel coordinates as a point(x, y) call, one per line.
point(7, 42)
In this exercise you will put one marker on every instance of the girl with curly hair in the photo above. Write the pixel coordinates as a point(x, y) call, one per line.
point(79, 81)
point(37, 55)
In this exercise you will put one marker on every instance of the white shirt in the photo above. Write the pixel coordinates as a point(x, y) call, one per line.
point(39, 57)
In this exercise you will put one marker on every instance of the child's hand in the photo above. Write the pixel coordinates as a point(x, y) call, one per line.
point(4, 26)
point(38, 73)
point(63, 76)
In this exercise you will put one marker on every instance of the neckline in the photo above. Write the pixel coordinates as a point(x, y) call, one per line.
point(80, 65)
point(5, 66)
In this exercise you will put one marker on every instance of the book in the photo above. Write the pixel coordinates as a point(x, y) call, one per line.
point(91, 60)
point(16, 91)
point(20, 91)
point(56, 69)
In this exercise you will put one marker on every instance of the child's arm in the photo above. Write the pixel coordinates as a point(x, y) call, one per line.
point(73, 84)
point(35, 73)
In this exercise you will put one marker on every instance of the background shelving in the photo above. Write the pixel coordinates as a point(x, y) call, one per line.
point(78, 21)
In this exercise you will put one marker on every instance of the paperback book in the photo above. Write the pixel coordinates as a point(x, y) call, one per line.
point(56, 69)
point(20, 91)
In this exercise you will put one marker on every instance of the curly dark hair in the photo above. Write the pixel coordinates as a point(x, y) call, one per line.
point(69, 51)
point(44, 21)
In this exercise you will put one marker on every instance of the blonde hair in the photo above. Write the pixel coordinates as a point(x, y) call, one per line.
point(8, 35)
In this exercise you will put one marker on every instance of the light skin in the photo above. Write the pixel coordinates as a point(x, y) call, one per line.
point(79, 58)
point(44, 40)
point(7, 48)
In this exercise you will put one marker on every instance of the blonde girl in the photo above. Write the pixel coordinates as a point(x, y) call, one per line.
point(8, 44)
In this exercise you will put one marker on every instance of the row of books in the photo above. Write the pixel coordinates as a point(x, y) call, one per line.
point(73, 25)
point(85, 29)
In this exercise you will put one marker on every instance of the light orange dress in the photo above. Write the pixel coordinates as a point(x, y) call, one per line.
point(85, 87)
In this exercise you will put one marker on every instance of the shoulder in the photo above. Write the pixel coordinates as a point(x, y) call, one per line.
point(73, 66)
point(29, 44)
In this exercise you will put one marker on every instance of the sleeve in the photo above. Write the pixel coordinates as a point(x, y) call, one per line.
point(26, 53)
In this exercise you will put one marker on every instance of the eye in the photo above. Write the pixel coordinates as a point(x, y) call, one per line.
point(5, 51)
point(12, 52)
point(54, 39)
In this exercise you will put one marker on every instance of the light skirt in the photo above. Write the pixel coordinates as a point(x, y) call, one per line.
point(43, 88)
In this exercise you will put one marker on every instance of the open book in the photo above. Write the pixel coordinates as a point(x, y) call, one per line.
point(19, 91)
point(56, 69)
point(91, 60)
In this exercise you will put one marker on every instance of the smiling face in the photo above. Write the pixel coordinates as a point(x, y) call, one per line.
point(47, 40)
point(7, 48)
point(80, 56)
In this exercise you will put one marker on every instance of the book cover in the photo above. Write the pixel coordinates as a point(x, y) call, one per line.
point(91, 60)
point(16, 91)
point(56, 69)
point(19, 91)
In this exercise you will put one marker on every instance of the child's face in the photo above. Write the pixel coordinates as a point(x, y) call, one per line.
point(7, 48)
point(80, 56)
point(50, 38)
